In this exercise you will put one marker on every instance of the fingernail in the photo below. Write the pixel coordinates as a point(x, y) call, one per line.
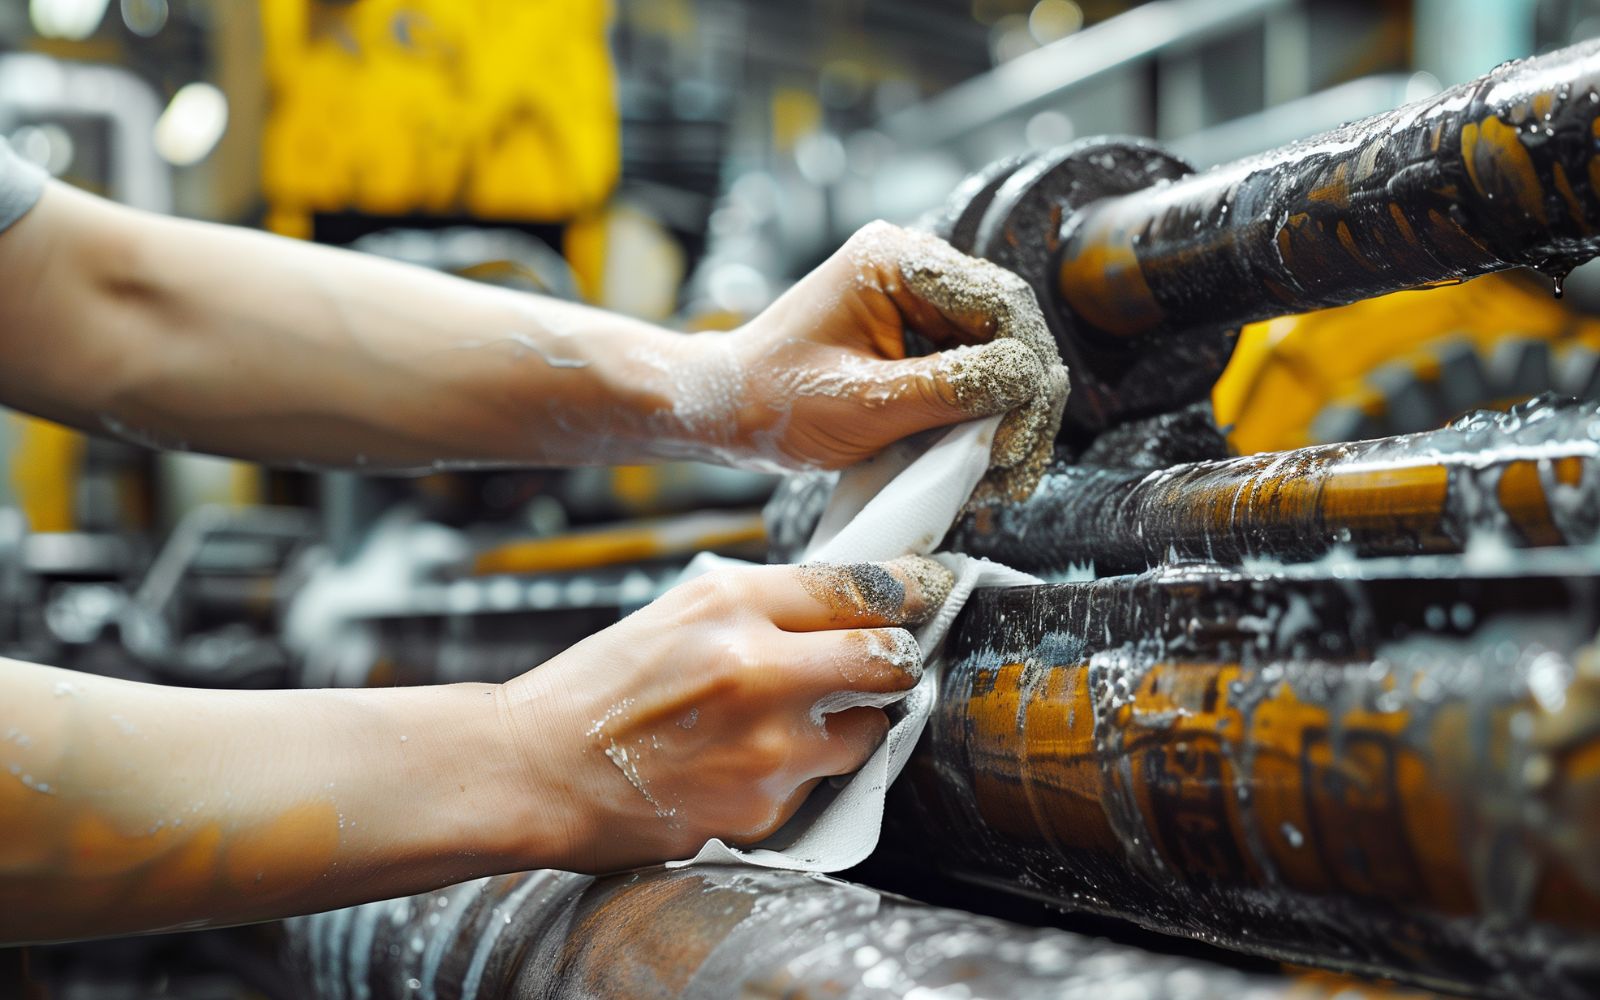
point(931, 584)
point(898, 648)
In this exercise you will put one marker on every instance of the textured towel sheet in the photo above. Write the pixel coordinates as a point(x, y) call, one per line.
point(901, 502)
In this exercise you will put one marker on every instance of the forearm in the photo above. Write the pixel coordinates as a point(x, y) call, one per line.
point(216, 339)
point(128, 807)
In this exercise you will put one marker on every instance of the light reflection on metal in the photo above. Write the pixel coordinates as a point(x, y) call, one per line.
point(1034, 78)
point(1530, 477)
point(1391, 767)
point(1495, 173)
point(711, 932)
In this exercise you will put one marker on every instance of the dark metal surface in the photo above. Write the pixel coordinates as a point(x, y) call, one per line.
point(1390, 766)
point(722, 933)
point(1146, 274)
point(1012, 213)
point(1530, 477)
point(1500, 172)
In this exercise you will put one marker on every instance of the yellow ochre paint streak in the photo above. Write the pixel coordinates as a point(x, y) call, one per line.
point(1104, 284)
point(1498, 164)
point(1564, 188)
point(1336, 191)
point(1402, 224)
point(1348, 242)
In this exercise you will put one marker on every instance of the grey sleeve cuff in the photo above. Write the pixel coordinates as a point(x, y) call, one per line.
point(21, 184)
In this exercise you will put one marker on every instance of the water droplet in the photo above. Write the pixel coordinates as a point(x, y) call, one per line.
point(1292, 834)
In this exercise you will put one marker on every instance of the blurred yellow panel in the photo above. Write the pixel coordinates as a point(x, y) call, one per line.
point(44, 472)
point(795, 113)
point(499, 109)
point(1287, 372)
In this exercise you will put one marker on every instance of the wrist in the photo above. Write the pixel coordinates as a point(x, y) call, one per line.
point(457, 803)
point(544, 823)
point(711, 406)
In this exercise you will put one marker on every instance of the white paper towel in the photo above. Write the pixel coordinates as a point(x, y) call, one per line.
point(899, 503)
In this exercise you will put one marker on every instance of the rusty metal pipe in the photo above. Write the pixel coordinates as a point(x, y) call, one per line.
point(1397, 773)
point(727, 932)
point(1530, 477)
point(1497, 173)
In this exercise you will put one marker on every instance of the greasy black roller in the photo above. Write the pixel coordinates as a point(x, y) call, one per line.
point(1493, 174)
point(1146, 271)
point(711, 932)
point(1012, 213)
point(1527, 478)
point(1391, 767)
point(956, 221)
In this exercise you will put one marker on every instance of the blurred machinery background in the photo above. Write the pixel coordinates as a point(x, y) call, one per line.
point(677, 160)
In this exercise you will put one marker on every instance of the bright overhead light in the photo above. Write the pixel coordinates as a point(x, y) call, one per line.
point(189, 129)
point(46, 144)
point(144, 17)
point(72, 19)
point(1054, 19)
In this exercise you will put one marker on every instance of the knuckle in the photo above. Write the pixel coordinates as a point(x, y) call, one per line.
point(735, 662)
point(935, 391)
point(764, 823)
point(873, 230)
point(768, 750)
point(896, 649)
point(872, 237)
point(713, 595)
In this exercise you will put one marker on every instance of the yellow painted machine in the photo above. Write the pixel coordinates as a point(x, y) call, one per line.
point(1405, 362)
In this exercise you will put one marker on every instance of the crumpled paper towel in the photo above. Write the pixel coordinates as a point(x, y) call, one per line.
point(901, 502)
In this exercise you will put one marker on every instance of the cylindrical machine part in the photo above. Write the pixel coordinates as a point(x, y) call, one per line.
point(711, 932)
point(1397, 774)
point(1500, 172)
point(1530, 477)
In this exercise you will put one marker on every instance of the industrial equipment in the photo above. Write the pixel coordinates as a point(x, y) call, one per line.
point(1335, 706)
point(728, 932)
point(1280, 733)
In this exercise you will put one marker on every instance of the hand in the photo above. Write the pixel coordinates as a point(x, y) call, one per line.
point(821, 379)
point(706, 713)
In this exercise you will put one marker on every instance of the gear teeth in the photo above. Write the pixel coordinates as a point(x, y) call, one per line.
point(1411, 403)
point(1579, 374)
point(1520, 369)
point(1463, 384)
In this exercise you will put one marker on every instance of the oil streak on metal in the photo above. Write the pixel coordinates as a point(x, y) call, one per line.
point(1530, 477)
point(716, 932)
point(1395, 771)
point(1496, 173)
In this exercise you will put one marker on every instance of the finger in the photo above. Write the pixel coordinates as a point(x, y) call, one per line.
point(819, 596)
point(845, 742)
point(961, 384)
point(941, 293)
point(920, 316)
point(827, 671)
point(875, 258)
point(788, 808)
point(852, 737)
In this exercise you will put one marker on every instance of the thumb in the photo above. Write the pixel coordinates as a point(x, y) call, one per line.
point(962, 384)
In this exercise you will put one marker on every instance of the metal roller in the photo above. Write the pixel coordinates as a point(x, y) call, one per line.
point(1389, 766)
point(718, 933)
point(1530, 477)
point(1146, 273)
